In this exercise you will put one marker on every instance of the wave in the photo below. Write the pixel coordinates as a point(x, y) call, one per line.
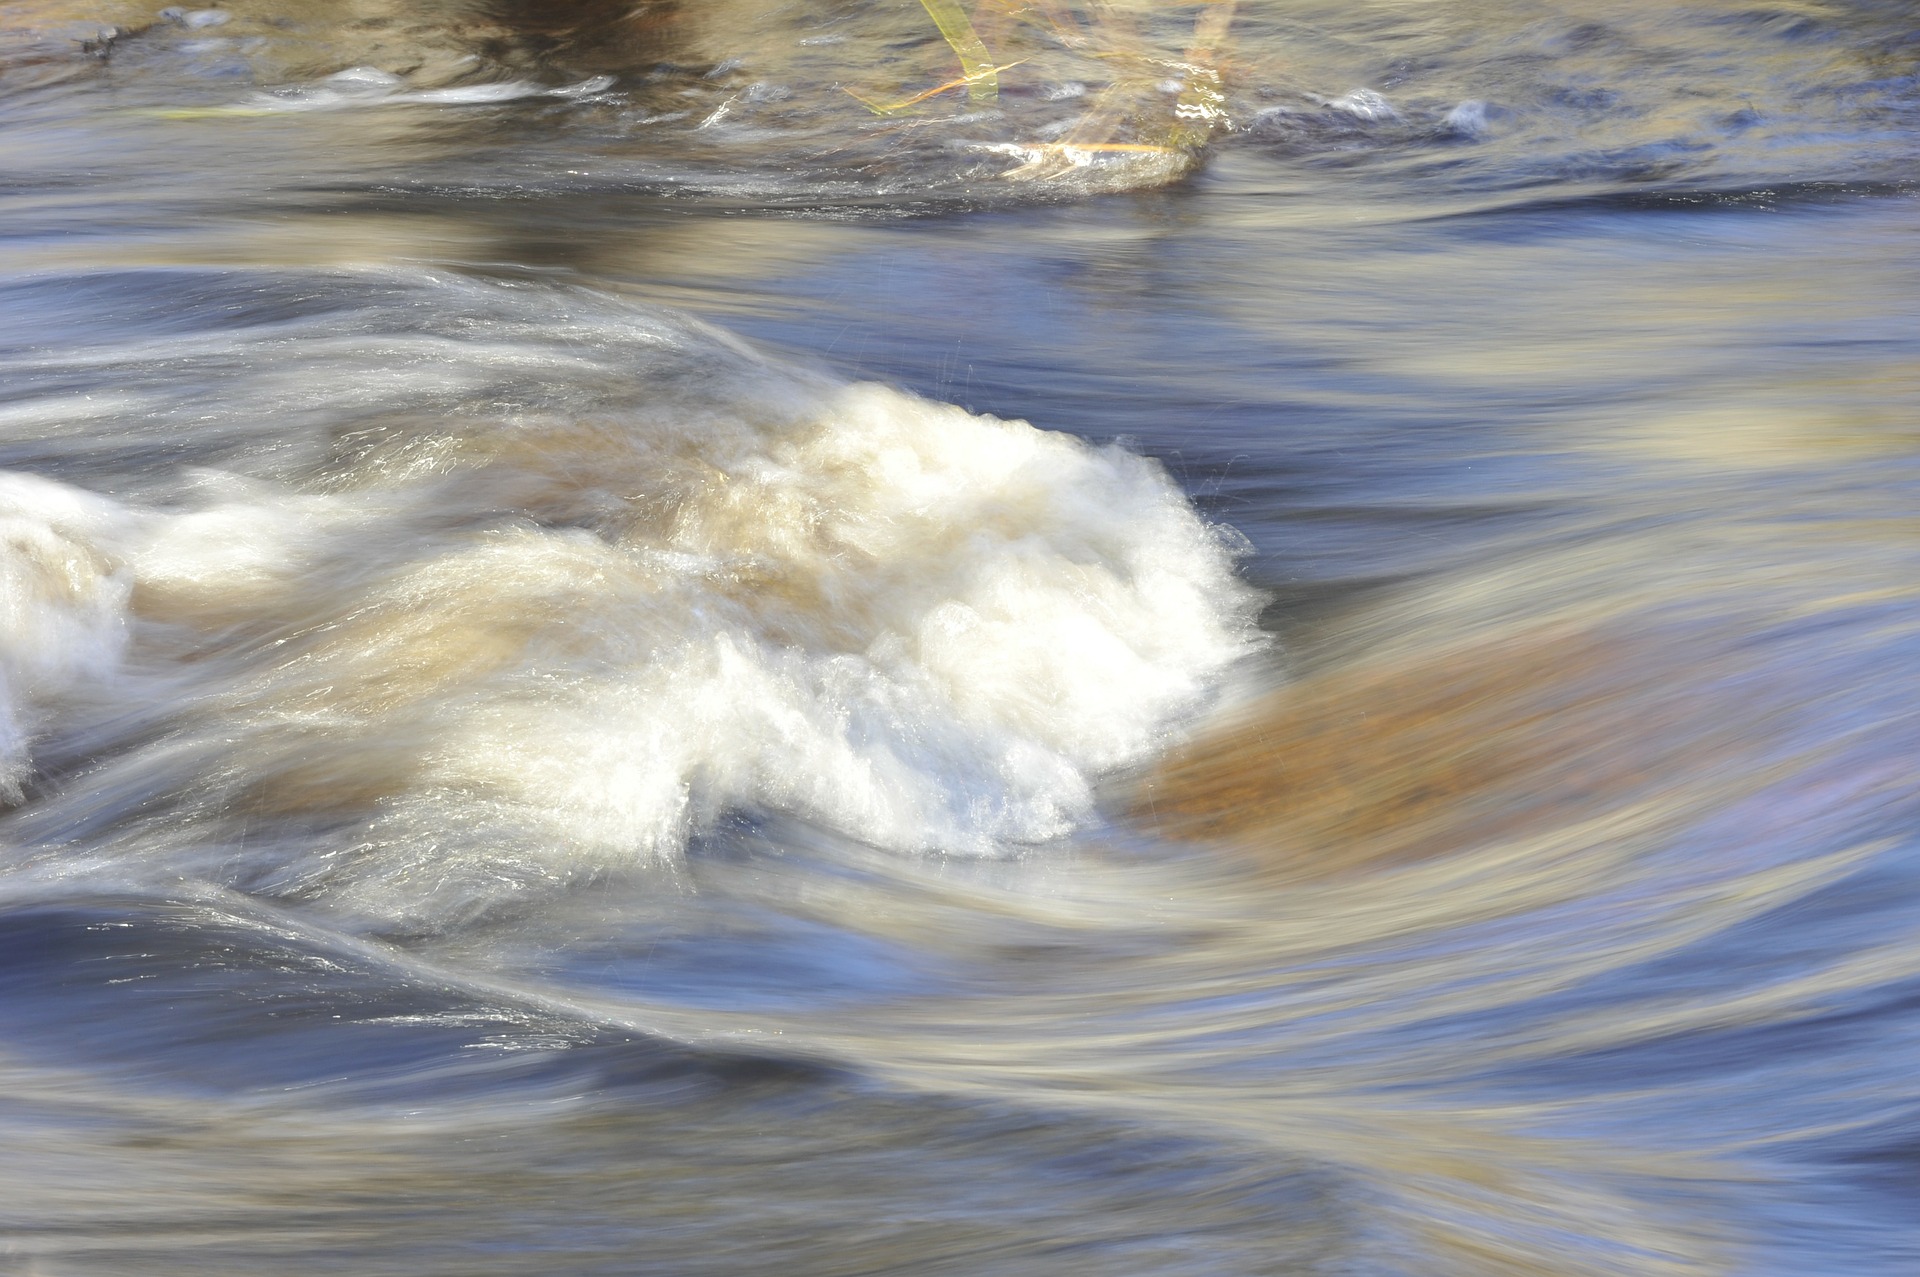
point(461, 654)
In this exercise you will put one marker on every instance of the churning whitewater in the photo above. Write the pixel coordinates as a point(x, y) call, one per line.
point(445, 658)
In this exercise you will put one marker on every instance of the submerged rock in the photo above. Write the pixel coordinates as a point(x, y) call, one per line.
point(879, 92)
point(1420, 754)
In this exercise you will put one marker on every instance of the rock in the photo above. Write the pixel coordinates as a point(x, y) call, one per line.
point(1391, 759)
point(67, 17)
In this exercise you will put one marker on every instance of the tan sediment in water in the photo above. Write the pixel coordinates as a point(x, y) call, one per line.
point(1388, 760)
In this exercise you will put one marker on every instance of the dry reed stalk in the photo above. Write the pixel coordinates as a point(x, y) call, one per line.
point(1121, 119)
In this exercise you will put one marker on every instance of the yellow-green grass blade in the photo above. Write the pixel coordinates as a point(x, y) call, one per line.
point(976, 64)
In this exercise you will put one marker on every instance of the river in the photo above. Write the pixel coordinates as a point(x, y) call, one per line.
point(1288, 647)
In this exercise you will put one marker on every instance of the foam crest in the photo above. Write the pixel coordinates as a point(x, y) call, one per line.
point(922, 628)
point(237, 550)
point(491, 657)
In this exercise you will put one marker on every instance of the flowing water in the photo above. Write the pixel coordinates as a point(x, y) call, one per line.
point(557, 717)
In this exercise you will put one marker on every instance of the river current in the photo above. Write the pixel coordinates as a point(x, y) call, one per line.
point(1288, 646)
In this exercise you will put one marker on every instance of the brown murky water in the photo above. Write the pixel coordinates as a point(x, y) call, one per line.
point(556, 715)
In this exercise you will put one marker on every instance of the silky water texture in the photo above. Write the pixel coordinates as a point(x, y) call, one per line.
point(611, 662)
